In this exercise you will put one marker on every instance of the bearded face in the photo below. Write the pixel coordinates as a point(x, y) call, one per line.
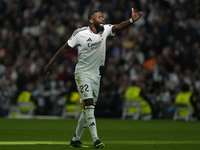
point(98, 21)
point(99, 26)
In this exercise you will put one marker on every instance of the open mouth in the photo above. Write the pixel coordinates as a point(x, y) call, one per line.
point(101, 24)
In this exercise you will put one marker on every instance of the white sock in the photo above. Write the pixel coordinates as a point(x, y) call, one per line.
point(82, 125)
point(91, 122)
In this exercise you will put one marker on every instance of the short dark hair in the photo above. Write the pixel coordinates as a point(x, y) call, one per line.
point(92, 13)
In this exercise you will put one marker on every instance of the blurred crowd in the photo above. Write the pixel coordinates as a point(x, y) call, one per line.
point(159, 52)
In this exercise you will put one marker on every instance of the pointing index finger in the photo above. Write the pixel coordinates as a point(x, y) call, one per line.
point(132, 10)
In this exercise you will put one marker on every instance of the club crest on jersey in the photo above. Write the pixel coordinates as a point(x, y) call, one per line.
point(85, 95)
point(101, 34)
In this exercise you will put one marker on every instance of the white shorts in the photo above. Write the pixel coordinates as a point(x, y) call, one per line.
point(88, 86)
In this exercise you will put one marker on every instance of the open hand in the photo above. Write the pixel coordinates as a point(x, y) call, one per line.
point(136, 16)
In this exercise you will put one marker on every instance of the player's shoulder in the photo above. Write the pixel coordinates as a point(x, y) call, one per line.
point(108, 25)
point(79, 30)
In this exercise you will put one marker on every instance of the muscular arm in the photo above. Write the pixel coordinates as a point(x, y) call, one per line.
point(125, 24)
point(63, 50)
point(119, 27)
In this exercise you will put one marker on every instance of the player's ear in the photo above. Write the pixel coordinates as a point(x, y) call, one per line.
point(91, 21)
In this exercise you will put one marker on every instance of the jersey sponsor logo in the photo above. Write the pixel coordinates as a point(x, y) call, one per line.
point(94, 45)
point(89, 39)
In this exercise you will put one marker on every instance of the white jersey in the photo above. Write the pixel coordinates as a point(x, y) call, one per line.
point(91, 48)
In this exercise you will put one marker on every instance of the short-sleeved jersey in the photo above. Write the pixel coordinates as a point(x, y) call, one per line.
point(91, 48)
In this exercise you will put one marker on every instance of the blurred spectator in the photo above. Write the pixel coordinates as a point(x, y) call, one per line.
point(187, 96)
point(151, 61)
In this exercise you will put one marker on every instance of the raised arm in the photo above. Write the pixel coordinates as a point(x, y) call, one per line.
point(125, 24)
point(63, 50)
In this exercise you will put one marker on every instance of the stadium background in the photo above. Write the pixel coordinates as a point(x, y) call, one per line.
point(31, 31)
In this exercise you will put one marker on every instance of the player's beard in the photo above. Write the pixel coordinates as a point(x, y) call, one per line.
point(98, 27)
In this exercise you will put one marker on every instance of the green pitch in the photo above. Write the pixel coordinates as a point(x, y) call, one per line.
point(33, 134)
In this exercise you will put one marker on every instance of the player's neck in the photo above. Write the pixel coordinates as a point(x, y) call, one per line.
point(93, 29)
